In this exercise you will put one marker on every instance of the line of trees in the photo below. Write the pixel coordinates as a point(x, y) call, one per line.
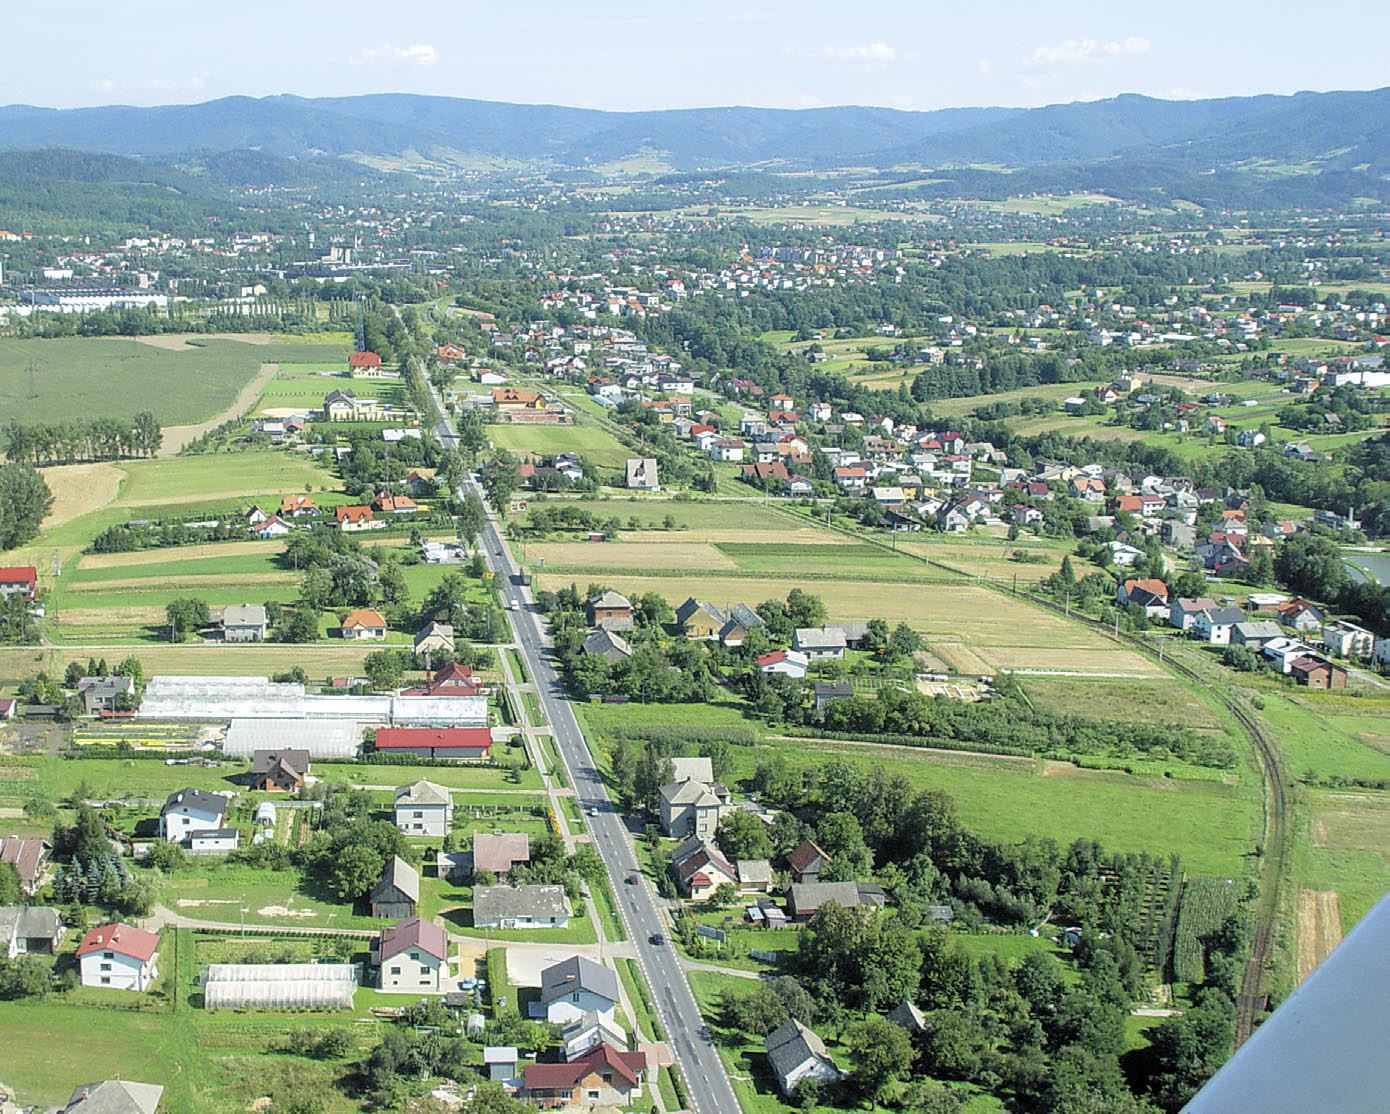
point(78, 439)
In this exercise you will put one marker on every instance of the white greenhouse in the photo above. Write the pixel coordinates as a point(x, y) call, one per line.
point(280, 986)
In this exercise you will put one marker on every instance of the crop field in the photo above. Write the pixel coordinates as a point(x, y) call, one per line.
point(733, 519)
point(1156, 699)
point(1335, 736)
point(599, 447)
point(1000, 631)
point(182, 383)
point(1319, 928)
point(299, 387)
point(1346, 849)
point(191, 479)
point(320, 661)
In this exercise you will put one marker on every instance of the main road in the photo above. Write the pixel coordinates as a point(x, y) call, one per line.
point(708, 1086)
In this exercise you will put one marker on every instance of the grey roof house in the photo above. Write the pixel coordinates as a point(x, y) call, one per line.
point(794, 1053)
point(520, 907)
point(244, 622)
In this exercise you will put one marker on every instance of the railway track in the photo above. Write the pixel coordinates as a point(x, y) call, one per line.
point(1275, 845)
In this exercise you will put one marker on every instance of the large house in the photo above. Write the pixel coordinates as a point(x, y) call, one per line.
point(18, 580)
point(191, 810)
point(102, 694)
point(689, 808)
point(413, 955)
point(1347, 640)
point(608, 645)
point(574, 988)
point(795, 1054)
point(787, 663)
point(433, 638)
point(610, 611)
point(351, 518)
point(279, 770)
point(364, 624)
point(700, 869)
point(119, 956)
point(397, 891)
point(29, 930)
point(700, 620)
point(424, 809)
point(521, 907)
point(1183, 612)
point(603, 1078)
point(244, 622)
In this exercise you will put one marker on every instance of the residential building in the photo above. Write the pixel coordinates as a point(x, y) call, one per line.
point(102, 694)
point(610, 611)
point(1301, 615)
point(794, 1054)
point(1255, 635)
point(119, 956)
point(700, 620)
point(350, 519)
point(521, 907)
point(642, 475)
point(115, 1096)
point(788, 663)
point(1151, 594)
point(689, 808)
point(575, 988)
point(820, 643)
point(1183, 612)
point(1347, 640)
point(30, 858)
point(434, 638)
point(588, 1032)
point(413, 956)
point(29, 930)
point(700, 869)
point(279, 770)
point(1214, 624)
point(601, 1078)
point(244, 622)
point(364, 624)
point(397, 891)
point(827, 692)
point(424, 809)
point(608, 645)
point(1317, 673)
point(191, 810)
point(18, 580)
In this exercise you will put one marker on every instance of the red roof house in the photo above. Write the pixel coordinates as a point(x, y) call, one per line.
point(436, 742)
point(19, 580)
point(364, 361)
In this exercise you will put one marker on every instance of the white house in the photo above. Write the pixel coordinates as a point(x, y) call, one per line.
point(795, 1053)
point(789, 663)
point(413, 955)
point(119, 956)
point(424, 809)
point(1214, 625)
point(1347, 640)
point(520, 907)
point(574, 988)
point(189, 811)
point(820, 643)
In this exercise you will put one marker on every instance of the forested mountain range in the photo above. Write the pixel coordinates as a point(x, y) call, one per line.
point(1346, 130)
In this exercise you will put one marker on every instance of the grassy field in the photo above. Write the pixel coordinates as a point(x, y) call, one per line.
point(181, 383)
point(1344, 846)
point(594, 444)
point(1331, 736)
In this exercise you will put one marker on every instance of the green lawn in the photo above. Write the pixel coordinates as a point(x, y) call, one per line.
point(118, 376)
point(596, 445)
point(1331, 737)
point(218, 475)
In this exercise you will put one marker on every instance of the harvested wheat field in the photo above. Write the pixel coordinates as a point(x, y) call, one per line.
point(1319, 928)
point(178, 342)
point(79, 489)
point(183, 553)
point(678, 553)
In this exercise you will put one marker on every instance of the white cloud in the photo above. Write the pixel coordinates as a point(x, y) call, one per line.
point(1070, 52)
point(983, 65)
point(862, 57)
point(414, 56)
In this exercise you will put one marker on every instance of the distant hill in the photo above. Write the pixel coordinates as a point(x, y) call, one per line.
point(296, 140)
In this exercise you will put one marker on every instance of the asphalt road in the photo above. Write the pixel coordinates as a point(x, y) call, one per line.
point(705, 1079)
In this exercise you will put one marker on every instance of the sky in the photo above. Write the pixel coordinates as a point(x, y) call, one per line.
point(911, 54)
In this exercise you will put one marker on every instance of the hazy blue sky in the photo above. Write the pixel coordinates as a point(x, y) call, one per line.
point(782, 53)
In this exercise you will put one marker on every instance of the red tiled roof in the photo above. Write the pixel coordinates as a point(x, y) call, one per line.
point(363, 617)
point(554, 1076)
point(19, 574)
point(122, 939)
point(364, 359)
point(440, 738)
point(411, 933)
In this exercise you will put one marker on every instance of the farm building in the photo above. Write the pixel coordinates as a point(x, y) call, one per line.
point(314, 738)
point(396, 891)
point(472, 743)
point(280, 986)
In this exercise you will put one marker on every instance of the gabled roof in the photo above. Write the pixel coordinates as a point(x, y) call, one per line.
point(791, 1046)
point(598, 1060)
point(414, 933)
point(804, 854)
point(610, 601)
point(820, 638)
point(123, 939)
point(26, 855)
point(197, 799)
point(422, 793)
point(114, 1096)
point(364, 617)
point(401, 875)
point(704, 860)
point(695, 793)
point(578, 973)
point(292, 762)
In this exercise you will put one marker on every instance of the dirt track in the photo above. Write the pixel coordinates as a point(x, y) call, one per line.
point(177, 436)
point(1319, 928)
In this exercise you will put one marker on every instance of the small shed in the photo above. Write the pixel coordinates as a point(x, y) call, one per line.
point(501, 1063)
point(476, 1024)
point(265, 814)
